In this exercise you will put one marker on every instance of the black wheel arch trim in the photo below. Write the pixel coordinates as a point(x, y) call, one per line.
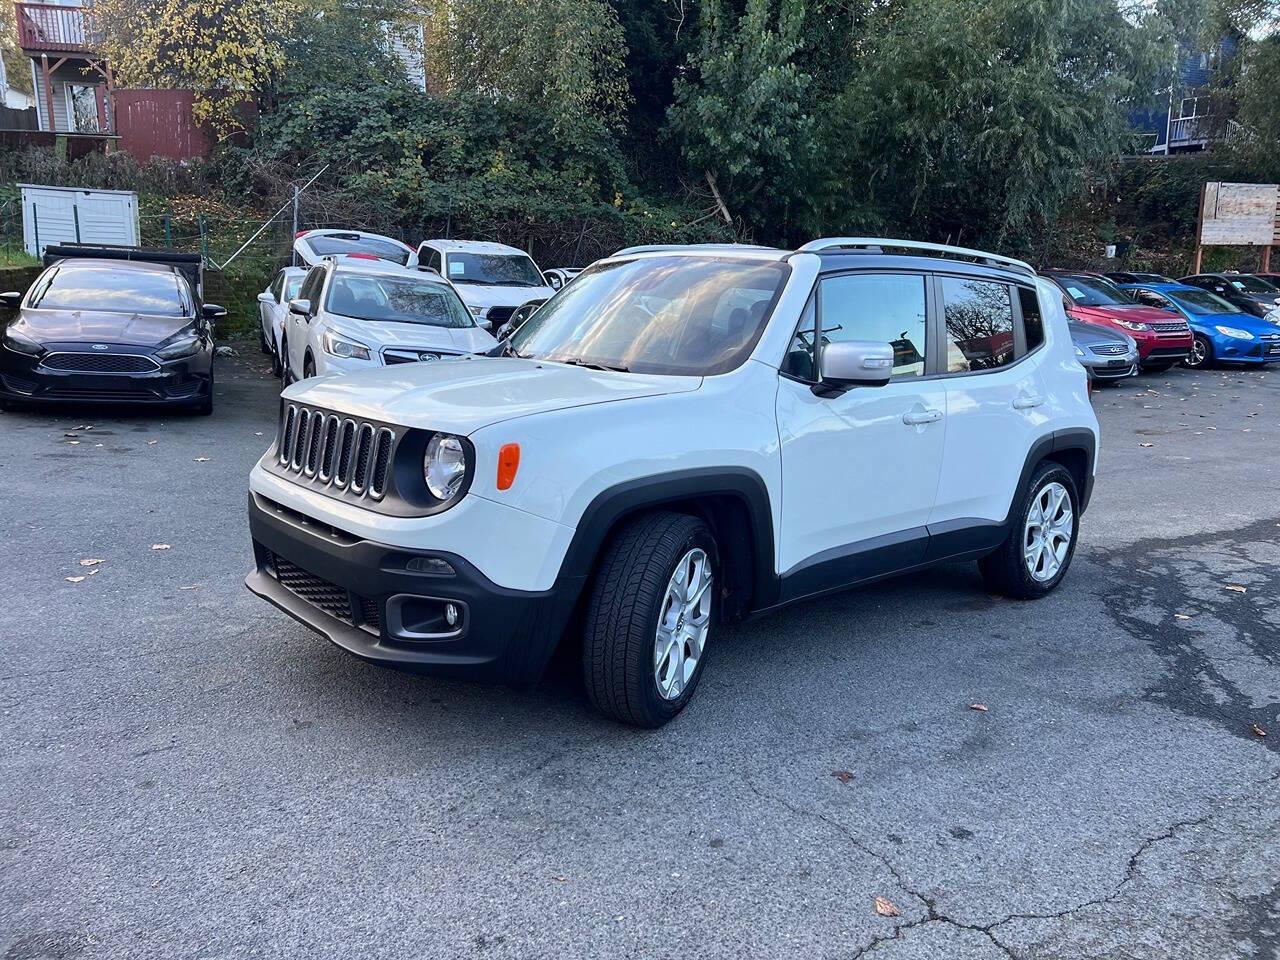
point(617, 502)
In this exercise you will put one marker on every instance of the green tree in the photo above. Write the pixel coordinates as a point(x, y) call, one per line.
point(742, 115)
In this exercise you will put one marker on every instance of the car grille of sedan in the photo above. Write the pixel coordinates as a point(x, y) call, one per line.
point(328, 450)
point(1176, 326)
point(100, 362)
point(406, 355)
point(1110, 349)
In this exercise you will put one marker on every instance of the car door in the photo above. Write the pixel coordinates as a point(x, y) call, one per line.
point(860, 467)
point(996, 399)
point(299, 326)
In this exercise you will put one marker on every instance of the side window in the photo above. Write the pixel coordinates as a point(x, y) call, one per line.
point(887, 308)
point(979, 318)
point(1149, 298)
point(311, 287)
point(1032, 322)
point(799, 360)
point(433, 259)
point(277, 286)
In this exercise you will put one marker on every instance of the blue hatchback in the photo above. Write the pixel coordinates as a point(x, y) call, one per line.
point(1222, 331)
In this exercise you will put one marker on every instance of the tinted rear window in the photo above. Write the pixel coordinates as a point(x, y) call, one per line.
point(327, 246)
point(114, 289)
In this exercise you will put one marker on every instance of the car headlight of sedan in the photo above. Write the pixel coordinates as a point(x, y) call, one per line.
point(1134, 325)
point(477, 312)
point(19, 342)
point(444, 466)
point(342, 347)
point(184, 343)
point(1131, 343)
point(1235, 332)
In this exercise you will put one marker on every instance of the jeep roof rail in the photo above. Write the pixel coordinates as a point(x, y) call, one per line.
point(876, 245)
point(677, 247)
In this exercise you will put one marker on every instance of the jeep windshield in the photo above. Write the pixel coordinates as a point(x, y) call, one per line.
point(397, 300)
point(494, 269)
point(690, 316)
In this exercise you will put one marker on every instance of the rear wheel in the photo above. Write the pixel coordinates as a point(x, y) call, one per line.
point(286, 375)
point(1035, 556)
point(276, 369)
point(651, 612)
point(1201, 357)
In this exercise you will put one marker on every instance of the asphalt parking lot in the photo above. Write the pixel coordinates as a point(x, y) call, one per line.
point(188, 773)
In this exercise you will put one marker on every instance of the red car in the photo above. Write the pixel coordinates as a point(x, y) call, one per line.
point(1163, 338)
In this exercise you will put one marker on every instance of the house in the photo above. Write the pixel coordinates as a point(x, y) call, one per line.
point(10, 97)
point(1185, 122)
point(72, 84)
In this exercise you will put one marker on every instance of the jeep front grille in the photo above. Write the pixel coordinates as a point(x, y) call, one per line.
point(330, 451)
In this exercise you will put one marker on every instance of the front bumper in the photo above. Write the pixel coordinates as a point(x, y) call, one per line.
point(378, 602)
point(24, 377)
point(1109, 368)
point(1236, 350)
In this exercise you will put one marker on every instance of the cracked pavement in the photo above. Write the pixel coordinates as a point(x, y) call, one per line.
point(188, 773)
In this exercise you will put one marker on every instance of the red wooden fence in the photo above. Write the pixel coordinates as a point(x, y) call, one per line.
point(158, 123)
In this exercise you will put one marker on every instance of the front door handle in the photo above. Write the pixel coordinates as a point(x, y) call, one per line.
point(914, 418)
point(1027, 402)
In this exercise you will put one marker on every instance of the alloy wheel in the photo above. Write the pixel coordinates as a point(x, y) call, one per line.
point(683, 624)
point(1048, 531)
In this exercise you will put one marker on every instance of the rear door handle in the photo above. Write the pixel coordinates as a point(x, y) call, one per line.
point(914, 418)
point(1027, 402)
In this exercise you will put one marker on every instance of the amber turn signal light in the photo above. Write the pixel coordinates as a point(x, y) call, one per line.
point(508, 464)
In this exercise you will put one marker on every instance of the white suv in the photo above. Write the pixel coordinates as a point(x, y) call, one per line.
point(356, 311)
point(492, 278)
point(679, 438)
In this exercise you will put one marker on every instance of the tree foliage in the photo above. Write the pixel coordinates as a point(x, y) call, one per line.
point(226, 50)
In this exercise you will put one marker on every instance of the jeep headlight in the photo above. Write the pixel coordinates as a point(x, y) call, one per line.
point(444, 466)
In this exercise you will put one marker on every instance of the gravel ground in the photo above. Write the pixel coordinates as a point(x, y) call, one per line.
point(188, 773)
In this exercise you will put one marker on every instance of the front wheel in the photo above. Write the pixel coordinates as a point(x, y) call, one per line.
point(1201, 357)
point(651, 613)
point(1035, 556)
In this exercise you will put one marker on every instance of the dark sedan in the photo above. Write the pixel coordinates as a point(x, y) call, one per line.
point(1239, 289)
point(110, 330)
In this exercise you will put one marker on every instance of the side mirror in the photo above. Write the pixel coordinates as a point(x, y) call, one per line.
point(855, 363)
point(12, 300)
point(554, 282)
point(213, 311)
point(266, 298)
point(301, 306)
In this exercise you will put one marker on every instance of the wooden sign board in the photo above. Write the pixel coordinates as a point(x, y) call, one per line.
point(1239, 214)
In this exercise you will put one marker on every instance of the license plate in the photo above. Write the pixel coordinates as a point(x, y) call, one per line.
point(1273, 350)
point(1117, 363)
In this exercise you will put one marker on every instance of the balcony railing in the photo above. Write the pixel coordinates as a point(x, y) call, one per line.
point(53, 27)
point(1188, 130)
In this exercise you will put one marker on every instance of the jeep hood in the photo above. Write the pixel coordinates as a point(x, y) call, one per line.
point(461, 396)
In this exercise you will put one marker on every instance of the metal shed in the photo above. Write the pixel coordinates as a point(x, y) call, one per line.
point(57, 215)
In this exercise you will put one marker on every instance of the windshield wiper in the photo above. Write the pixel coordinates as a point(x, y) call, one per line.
point(592, 365)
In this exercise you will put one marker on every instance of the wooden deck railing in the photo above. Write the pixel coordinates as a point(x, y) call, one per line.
point(53, 27)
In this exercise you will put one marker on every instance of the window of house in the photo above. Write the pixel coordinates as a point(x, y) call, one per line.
point(1188, 107)
point(82, 107)
point(979, 321)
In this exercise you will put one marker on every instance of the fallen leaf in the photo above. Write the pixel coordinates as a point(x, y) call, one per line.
point(73, 443)
point(71, 434)
point(193, 586)
point(844, 776)
point(559, 878)
point(980, 707)
point(94, 571)
point(886, 907)
point(1145, 444)
point(159, 546)
point(74, 579)
point(90, 562)
point(1236, 589)
point(1258, 731)
point(1181, 616)
point(259, 433)
point(202, 460)
point(151, 443)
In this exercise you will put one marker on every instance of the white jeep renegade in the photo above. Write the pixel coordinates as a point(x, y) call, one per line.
point(681, 437)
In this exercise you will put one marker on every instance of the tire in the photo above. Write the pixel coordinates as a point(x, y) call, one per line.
point(1008, 570)
point(277, 370)
point(263, 345)
point(286, 375)
point(629, 595)
point(1201, 357)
